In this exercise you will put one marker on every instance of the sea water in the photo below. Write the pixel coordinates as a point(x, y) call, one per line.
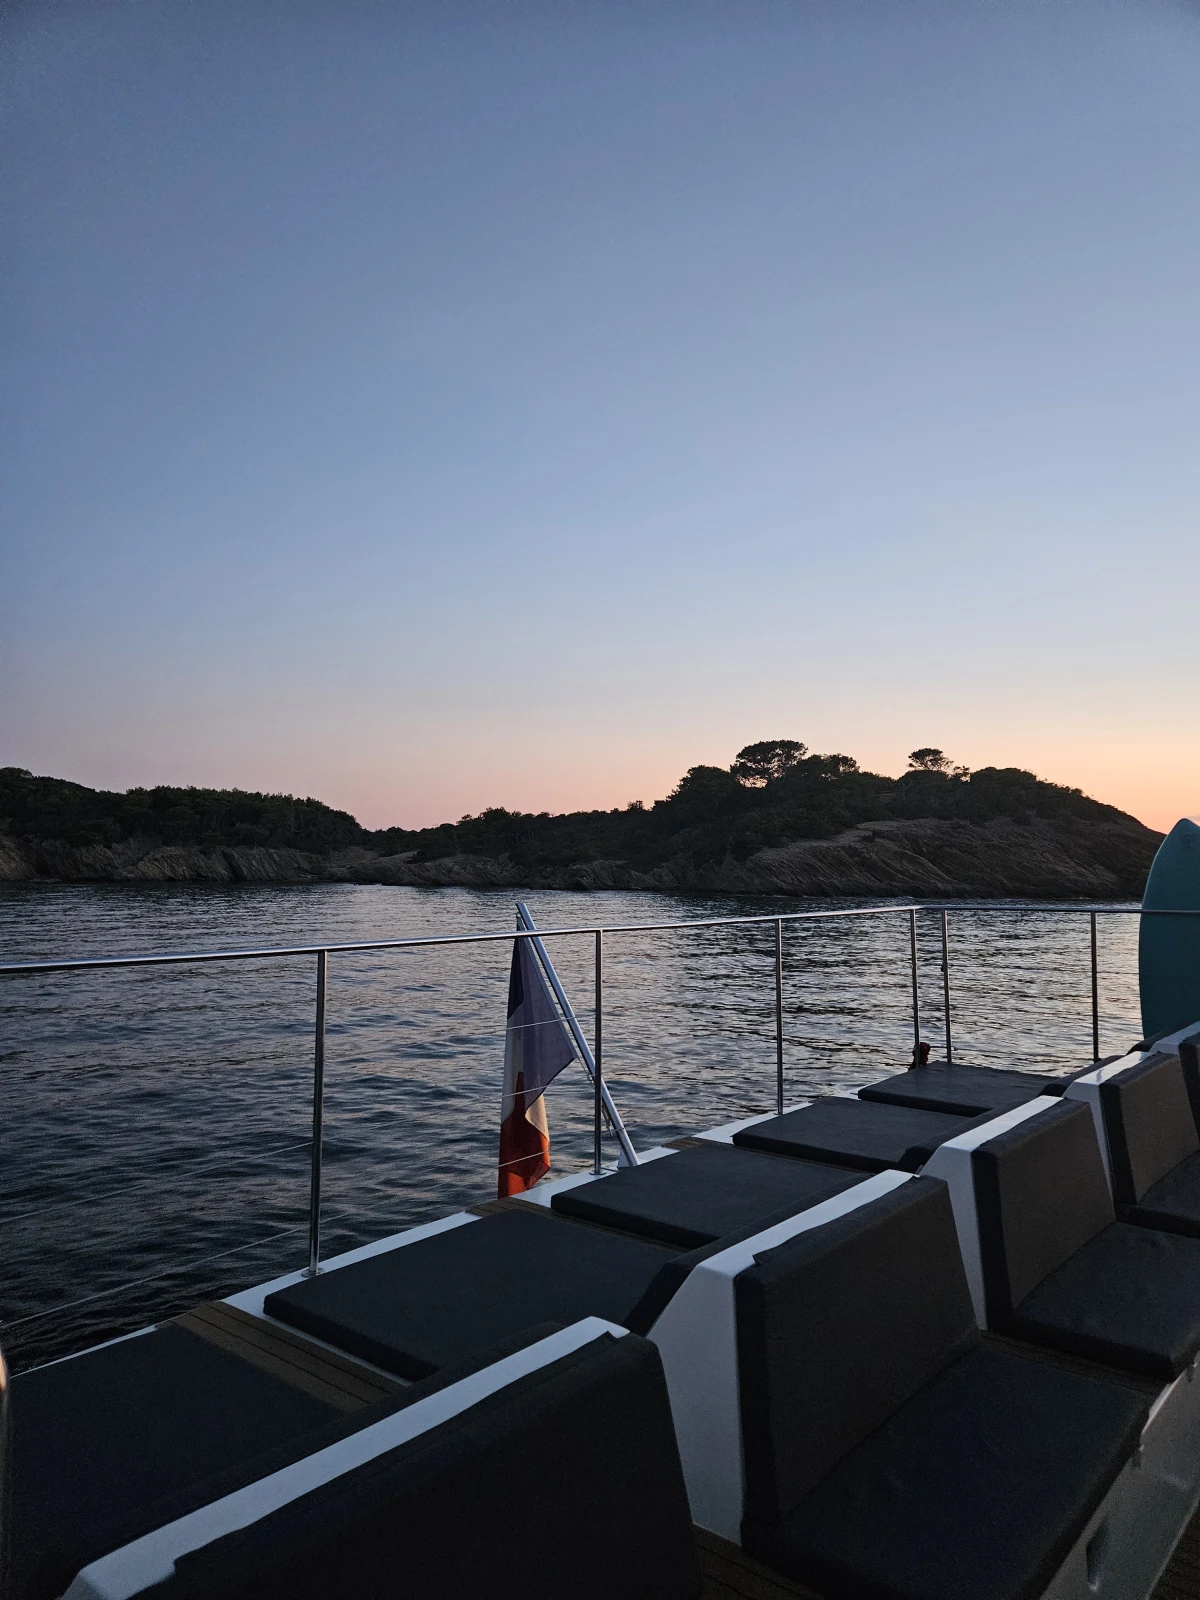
point(156, 1122)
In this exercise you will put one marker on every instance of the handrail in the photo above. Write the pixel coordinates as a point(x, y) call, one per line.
point(274, 952)
point(598, 932)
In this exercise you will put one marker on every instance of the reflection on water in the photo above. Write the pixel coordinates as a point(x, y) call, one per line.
point(156, 1122)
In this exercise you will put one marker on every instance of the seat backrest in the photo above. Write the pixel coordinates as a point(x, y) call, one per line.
point(1149, 1124)
point(836, 1329)
point(514, 1490)
point(1040, 1195)
point(1189, 1060)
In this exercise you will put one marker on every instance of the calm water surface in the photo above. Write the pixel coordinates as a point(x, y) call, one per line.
point(156, 1122)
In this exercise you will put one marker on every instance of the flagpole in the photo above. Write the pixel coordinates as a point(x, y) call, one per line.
point(614, 1116)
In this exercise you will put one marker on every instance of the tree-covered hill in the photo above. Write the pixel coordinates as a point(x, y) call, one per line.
point(53, 809)
point(775, 793)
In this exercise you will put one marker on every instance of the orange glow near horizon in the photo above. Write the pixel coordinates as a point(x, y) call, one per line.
point(1157, 797)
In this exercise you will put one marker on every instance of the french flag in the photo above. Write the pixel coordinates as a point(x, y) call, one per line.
point(537, 1047)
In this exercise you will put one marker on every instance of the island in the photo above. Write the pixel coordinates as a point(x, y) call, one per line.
point(778, 820)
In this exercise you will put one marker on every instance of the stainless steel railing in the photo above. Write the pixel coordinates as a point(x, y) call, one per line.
point(592, 1056)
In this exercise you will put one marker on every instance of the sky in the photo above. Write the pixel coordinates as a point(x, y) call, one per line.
point(434, 406)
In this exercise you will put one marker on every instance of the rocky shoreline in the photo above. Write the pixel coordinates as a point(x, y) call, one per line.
point(1003, 858)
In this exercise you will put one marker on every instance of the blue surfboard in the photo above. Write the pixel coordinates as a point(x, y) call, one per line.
point(1169, 947)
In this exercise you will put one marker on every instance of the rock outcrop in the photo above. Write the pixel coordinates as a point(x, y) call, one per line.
point(1068, 858)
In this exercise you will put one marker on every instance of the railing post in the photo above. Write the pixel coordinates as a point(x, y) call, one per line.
point(916, 998)
point(946, 981)
point(318, 1115)
point(779, 1016)
point(1095, 996)
point(598, 1053)
point(6, 1584)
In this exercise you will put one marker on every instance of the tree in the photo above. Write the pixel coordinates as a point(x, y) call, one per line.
point(928, 759)
point(705, 792)
point(759, 763)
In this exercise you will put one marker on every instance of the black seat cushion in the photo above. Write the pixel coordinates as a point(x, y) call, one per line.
point(1189, 1060)
point(978, 1487)
point(508, 1499)
point(416, 1308)
point(1129, 1298)
point(1040, 1195)
point(1149, 1124)
point(702, 1193)
point(1172, 1203)
point(100, 1438)
point(837, 1328)
point(856, 1133)
point(960, 1091)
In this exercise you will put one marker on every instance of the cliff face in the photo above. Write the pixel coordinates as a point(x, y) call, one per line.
point(135, 861)
point(1069, 858)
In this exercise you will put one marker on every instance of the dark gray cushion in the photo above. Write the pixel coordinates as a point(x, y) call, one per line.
point(526, 1496)
point(855, 1133)
point(414, 1309)
point(702, 1194)
point(1172, 1203)
point(1189, 1060)
point(1149, 1124)
point(960, 1090)
point(1040, 1195)
point(1129, 1298)
point(837, 1328)
point(99, 1439)
point(978, 1487)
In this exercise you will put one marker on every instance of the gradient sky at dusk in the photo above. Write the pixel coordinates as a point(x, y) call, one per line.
point(432, 406)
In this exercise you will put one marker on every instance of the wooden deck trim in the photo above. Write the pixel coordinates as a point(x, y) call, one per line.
point(338, 1380)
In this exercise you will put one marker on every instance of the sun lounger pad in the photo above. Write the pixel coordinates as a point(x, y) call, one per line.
point(702, 1193)
point(869, 1136)
point(413, 1309)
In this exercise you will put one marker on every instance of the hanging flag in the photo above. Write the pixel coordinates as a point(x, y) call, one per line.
point(537, 1047)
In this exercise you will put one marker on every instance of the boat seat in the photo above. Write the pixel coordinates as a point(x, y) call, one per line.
point(101, 1439)
point(868, 1136)
point(1058, 1269)
point(890, 1451)
point(702, 1194)
point(960, 1090)
point(1153, 1147)
point(1189, 1060)
point(506, 1483)
point(415, 1308)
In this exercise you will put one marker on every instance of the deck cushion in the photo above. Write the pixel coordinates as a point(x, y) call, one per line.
point(980, 1485)
point(1149, 1124)
point(1129, 1298)
point(869, 1136)
point(416, 1308)
point(837, 1328)
point(100, 1438)
point(1040, 1195)
point(525, 1496)
point(1189, 1060)
point(702, 1193)
point(961, 1090)
point(1172, 1203)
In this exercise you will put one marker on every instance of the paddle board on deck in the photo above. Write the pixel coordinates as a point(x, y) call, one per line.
point(1169, 947)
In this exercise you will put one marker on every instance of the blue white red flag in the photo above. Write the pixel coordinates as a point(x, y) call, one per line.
point(537, 1047)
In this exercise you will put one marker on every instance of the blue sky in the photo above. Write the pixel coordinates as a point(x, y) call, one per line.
point(434, 406)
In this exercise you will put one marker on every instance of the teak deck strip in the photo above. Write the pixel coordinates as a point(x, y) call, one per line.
point(338, 1380)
